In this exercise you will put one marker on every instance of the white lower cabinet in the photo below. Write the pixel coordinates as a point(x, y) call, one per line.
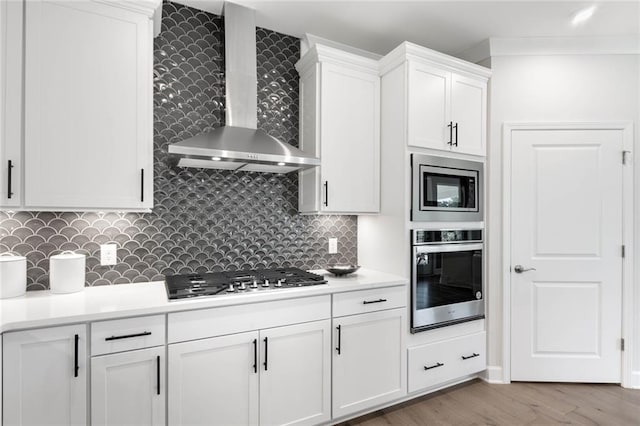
point(214, 381)
point(369, 365)
point(128, 388)
point(45, 377)
point(285, 371)
point(440, 362)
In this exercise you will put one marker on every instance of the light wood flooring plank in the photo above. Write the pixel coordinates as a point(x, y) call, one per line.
point(480, 403)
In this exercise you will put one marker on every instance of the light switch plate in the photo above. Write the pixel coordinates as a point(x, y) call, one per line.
point(333, 245)
point(108, 254)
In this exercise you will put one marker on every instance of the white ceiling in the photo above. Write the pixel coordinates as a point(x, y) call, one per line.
point(446, 26)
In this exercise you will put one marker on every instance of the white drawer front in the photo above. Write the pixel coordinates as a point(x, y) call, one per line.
point(435, 363)
point(127, 334)
point(203, 323)
point(363, 301)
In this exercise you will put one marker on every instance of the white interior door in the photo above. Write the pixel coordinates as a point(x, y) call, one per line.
point(566, 222)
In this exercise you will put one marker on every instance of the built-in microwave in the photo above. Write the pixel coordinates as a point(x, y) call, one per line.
point(445, 189)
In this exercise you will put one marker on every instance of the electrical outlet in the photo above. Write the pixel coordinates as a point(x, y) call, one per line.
point(108, 254)
point(333, 245)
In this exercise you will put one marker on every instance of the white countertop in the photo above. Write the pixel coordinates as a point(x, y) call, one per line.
point(43, 309)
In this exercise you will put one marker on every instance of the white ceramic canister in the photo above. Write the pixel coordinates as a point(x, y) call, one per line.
point(67, 272)
point(13, 275)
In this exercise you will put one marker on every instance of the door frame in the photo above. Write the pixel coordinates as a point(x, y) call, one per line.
point(626, 127)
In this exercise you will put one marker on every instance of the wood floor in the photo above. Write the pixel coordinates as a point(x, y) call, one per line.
point(479, 403)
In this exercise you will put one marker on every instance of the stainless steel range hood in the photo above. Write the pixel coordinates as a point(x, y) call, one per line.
point(240, 145)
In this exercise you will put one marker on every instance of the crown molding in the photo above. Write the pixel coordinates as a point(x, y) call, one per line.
point(321, 53)
point(411, 51)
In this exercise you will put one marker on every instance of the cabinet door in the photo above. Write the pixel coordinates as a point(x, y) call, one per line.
point(11, 45)
point(469, 112)
point(214, 381)
point(88, 106)
point(429, 94)
point(44, 376)
point(350, 149)
point(369, 363)
point(128, 388)
point(295, 374)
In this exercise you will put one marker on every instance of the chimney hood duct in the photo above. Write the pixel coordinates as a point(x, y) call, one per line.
point(240, 145)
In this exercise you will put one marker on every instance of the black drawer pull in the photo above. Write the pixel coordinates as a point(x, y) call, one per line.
point(339, 347)
point(158, 375)
point(367, 302)
point(142, 185)
point(437, 364)
point(9, 192)
point(470, 356)
point(450, 126)
point(255, 355)
point(76, 365)
point(266, 353)
point(128, 336)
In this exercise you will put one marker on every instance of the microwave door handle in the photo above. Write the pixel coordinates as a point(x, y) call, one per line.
point(447, 248)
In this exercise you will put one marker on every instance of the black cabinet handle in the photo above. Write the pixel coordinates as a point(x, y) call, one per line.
point(128, 336)
point(266, 352)
point(436, 365)
point(158, 375)
point(456, 127)
point(76, 367)
point(470, 356)
point(450, 126)
point(339, 347)
point(255, 355)
point(367, 302)
point(142, 185)
point(326, 193)
point(9, 192)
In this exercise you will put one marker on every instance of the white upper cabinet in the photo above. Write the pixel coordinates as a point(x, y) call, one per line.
point(88, 125)
point(339, 122)
point(446, 99)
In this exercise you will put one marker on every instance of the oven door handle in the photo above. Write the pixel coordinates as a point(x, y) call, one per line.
point(446, 248)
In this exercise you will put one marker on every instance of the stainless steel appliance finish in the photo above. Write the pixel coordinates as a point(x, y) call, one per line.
point(185, 286)
point(240, 145)
point(446, 189)
point(446, 278)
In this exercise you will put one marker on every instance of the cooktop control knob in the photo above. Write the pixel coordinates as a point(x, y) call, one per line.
point(265, 283)
point(279, 283)
point(231, 289)
point(254, 284)
point(242, 286)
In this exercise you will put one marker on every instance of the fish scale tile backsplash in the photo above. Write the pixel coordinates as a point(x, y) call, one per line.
point(202, 219)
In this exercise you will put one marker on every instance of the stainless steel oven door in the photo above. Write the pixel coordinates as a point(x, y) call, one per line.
point(446, 285)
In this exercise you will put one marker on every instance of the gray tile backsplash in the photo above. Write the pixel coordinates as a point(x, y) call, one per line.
point(202, 219)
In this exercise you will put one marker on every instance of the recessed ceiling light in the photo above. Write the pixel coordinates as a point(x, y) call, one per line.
point(583, 15)
point(215, 158)
point(281, 164)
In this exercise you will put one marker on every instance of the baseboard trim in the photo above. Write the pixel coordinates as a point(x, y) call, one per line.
point(493, 374)
point(635, 380)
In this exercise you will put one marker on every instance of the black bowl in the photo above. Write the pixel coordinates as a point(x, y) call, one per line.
point(341, 269)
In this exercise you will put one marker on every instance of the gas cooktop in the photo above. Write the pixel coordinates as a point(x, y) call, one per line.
point(237, 282)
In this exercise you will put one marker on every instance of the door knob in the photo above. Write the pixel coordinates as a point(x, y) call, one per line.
point(520, 269)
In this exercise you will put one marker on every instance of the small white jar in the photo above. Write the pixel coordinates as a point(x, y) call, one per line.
point(67, 272)
point(13, 275)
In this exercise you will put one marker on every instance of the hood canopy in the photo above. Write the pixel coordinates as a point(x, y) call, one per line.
point(240, 145)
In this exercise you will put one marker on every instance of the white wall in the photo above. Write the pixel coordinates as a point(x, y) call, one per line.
point(555, 88)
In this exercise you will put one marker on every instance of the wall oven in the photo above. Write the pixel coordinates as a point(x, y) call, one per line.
point(446, 189)
point(446, 277)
